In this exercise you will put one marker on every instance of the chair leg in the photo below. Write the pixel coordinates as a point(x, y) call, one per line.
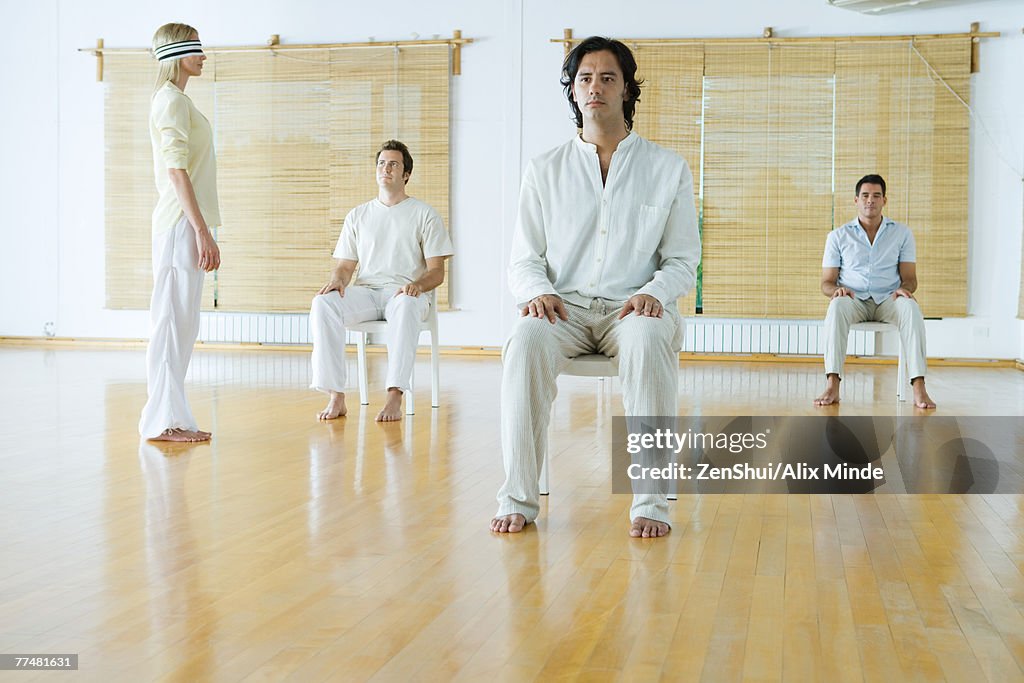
point(544, 476)
point(364, 394)
point(410, 400)
point(902, 381)
point(435, 369)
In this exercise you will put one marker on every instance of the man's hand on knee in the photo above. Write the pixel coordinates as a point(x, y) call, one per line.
point(901, 292)
point(842, 291)
point(546, 306)
point(411, 289)
point(333, 286)
point(642, 304)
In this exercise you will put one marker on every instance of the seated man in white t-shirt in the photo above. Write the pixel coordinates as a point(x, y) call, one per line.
point(400, 245)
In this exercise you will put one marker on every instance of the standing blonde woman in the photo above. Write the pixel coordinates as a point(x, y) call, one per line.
point(183, 247)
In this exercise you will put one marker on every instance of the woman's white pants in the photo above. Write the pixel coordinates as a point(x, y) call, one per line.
point(174, 326)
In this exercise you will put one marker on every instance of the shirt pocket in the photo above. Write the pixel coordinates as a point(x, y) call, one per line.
point(650, 228)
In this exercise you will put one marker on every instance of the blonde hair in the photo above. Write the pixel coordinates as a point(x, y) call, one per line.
point(170, 33)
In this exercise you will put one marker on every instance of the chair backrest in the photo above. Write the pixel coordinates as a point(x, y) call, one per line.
point(431, 322)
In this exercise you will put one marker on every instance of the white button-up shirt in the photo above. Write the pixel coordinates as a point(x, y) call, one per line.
point(871, 270)
point(583, 239)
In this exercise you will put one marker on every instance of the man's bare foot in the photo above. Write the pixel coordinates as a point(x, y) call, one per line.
point(335, 407)
point(392, 410)
point(648, 528)
point(182, 435)
point(921, 397)
point(508, 524)
point(831, 395)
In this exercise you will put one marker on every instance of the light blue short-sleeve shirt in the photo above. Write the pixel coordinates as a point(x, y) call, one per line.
point(871, 270)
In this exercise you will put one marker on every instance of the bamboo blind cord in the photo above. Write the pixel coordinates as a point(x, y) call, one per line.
point(978, 121)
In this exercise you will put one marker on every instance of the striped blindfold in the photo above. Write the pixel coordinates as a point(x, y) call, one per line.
point(182, 48)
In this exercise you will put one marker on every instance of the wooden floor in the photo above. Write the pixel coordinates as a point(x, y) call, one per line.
point(299, 551)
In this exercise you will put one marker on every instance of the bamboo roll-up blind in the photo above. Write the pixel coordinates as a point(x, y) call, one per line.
point(768, 178)
point(799, 185)
point(296, 134)
point(669, 112)
point(272, 160)
point(736, 109)
point(767, 175)
point(785, 130)
point(894, 118)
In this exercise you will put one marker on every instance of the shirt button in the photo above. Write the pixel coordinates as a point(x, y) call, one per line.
point(604, 232)
point(598, 260)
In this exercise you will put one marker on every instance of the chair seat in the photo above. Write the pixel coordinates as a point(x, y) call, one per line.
point(592, 365)
point(901, 368)
point(376, 326)
point(587, 365)
point(874, 326)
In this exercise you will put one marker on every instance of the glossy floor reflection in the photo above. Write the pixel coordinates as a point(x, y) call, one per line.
point(289, 549)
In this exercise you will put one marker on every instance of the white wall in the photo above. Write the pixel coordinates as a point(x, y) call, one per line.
point(507, 107)
point(29, 291)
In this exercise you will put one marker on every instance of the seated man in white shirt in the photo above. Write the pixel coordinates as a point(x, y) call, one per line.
point(870, 273)
point(606, 241)
point(400, 245)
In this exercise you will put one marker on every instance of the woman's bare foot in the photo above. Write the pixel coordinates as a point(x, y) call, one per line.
point(508, 524)
point(921, 397)
point(831, 395)
point(392, 410)
point(648, 528)
point(182, 435)
point(335, 407)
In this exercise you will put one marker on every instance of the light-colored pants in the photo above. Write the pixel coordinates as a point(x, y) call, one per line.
point(331, 313)
point(174, 326)
point(536, 351)
point(844, 311)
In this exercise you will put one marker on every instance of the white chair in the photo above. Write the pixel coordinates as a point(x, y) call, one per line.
point(588, 365)
point(902, 381)
point(373, 326)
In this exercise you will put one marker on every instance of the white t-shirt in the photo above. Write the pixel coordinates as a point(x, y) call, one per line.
point(392, 243)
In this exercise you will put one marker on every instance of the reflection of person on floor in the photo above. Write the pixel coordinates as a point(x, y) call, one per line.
point(183, 246)
point(173, 566)
point(400, 245)
point(606, 241)
point(870, 273)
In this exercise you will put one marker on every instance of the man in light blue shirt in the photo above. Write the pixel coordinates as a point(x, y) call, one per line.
point(870, 274)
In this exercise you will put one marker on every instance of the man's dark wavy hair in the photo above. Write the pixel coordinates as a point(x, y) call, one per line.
point(627, 63)
point(872, 179)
